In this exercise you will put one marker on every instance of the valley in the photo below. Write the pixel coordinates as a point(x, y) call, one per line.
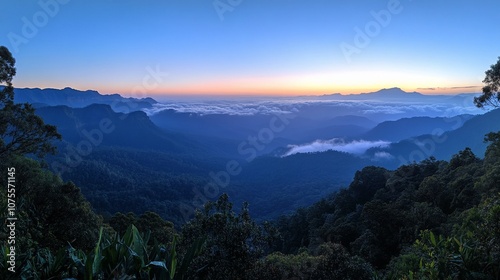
point(289, 155)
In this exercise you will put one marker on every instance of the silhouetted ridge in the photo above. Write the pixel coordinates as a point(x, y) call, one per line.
point(78, 99)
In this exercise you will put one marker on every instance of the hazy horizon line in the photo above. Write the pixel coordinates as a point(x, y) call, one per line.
point(434, 91)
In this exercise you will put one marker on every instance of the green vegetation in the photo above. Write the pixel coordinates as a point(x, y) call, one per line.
point(21, 130)
point(234, 242)
point(433, 220)
point(114, 257)
point(491, 91)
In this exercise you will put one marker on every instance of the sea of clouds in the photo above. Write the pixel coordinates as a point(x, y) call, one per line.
point(277, 105)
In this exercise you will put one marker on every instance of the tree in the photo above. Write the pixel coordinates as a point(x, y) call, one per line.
point(7, 72)
point(367, 182)
point(463, 158)
point(330, 261)
point(339, 264)
point(21, 130)
point(493, 151)
point(491, 93)
point(159, 229)
point(234, 242)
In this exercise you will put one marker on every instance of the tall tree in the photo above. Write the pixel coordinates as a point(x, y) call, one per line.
point(234, 242)
point(491, 91)
point(21, 130)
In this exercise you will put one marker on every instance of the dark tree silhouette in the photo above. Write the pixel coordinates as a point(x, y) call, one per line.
point(491, 94)
point(21, 130)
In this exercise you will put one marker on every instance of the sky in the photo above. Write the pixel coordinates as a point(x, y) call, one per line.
point(251, 47)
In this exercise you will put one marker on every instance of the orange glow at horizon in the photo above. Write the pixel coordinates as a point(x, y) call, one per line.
point(292, 85)
point(315, 84)
point(220, 89)
point(283, 92)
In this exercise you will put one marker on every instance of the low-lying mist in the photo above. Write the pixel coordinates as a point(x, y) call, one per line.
point(356, 147)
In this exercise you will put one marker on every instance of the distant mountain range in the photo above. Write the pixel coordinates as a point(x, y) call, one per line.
point(397, 94)
point(79, 99)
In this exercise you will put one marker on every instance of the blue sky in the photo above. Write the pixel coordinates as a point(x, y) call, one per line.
point(252, 46)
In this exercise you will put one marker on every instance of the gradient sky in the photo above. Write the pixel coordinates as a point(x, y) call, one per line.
point(287, 47)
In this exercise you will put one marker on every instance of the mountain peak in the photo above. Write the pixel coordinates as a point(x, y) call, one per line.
point(389, 93)
point(393, 91)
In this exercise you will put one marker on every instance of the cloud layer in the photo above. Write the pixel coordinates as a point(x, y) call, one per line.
point(336, 144)
point(266, 106)
point(222, 107)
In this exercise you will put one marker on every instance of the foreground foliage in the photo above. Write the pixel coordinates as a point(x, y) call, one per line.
point(126, 257)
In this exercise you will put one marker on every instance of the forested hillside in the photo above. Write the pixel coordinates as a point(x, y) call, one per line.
point(431, 220)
